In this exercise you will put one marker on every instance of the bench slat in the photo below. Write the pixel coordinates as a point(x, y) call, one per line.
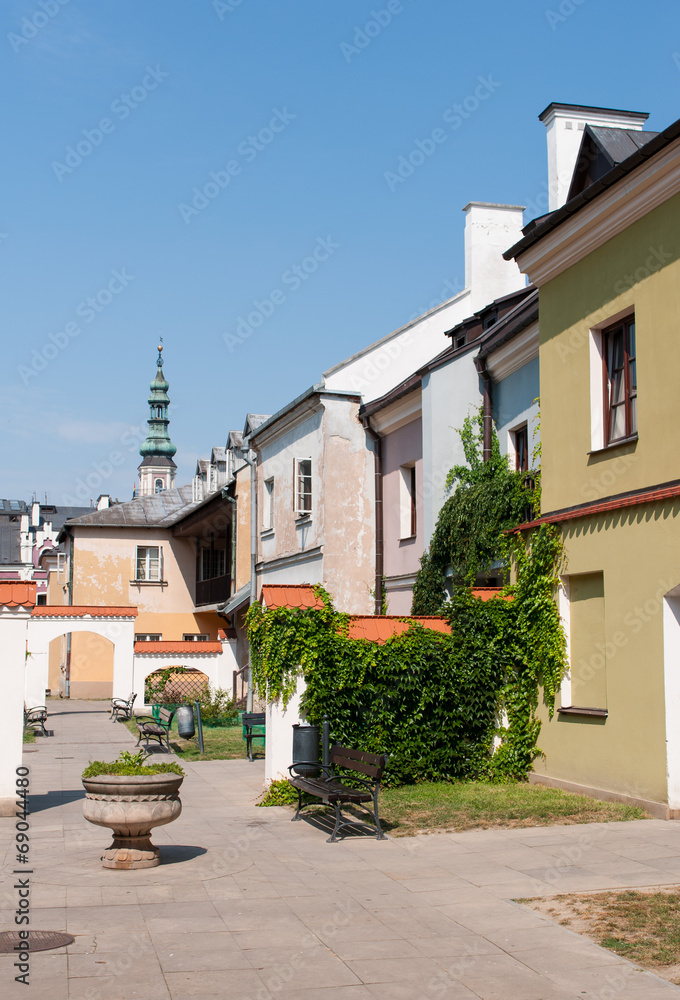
point(370, 764)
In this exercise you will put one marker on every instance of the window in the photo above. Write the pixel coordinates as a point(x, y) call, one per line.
point(408, 522)
point(148, 562)
point(303, 486)
point(268, 505)
point(158, 486)
point(195, 637)
point(520, 442)
point(213, 563)
point(42, 599)
point(620, 381)
point(147, 637)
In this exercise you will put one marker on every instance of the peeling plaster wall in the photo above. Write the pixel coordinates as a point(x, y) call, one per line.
point(335, 545)
point(242, 527)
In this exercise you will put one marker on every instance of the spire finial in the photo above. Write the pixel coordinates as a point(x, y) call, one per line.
point(160, 352)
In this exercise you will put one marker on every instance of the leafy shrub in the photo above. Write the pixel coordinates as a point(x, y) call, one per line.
point(131, 764)
point(217, 705)
point(279, 793)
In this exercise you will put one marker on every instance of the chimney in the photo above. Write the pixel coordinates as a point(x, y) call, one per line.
point(35, 514)
point(565, 124)
point(489, 230)
point(103, 501)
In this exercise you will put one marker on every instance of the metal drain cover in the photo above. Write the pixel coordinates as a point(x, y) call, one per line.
point(10, 942)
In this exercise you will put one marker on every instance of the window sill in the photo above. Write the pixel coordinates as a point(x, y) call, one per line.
point(613, 445)
point(267, 533)
point(407, 538)
point(302, 519)
point(148, 583)
point(600, 713)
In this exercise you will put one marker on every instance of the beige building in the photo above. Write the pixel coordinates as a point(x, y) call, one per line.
point(607, 265)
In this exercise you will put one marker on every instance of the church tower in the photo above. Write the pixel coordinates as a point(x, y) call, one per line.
point(157, 469)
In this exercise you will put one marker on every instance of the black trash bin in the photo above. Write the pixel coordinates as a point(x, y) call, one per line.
point(185, 722)
point(306, 748)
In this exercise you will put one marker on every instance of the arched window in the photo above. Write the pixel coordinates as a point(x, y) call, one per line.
point(158, 486)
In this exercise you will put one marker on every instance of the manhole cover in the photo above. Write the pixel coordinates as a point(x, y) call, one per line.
point(10, 942)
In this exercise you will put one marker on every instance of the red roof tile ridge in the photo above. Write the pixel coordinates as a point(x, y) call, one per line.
point(82, 610)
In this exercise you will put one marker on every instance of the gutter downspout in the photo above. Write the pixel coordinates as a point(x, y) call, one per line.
point(245, 453)
point(379, 528)
point(480, 364)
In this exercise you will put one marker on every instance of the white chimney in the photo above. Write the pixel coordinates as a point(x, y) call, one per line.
point(103, 501)
point(489, 230)
point(565, 124)
point(35, 514)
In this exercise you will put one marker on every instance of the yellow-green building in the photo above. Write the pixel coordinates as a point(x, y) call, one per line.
point(607, 265)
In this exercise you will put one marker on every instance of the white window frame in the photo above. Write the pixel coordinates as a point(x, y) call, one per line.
point(147, 637)
point(301, 506)
point(147, 577)
point(408, 502)
point(268, 505)
point(195, 637)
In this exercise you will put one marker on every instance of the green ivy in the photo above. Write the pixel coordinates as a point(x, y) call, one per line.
point(488, 500)
point(441, 706)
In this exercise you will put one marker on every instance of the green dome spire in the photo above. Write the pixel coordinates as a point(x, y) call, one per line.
point(158, 440)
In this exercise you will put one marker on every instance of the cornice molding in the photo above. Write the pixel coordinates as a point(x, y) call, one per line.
point(398, 414)
point(608, 215)
point(514, 354)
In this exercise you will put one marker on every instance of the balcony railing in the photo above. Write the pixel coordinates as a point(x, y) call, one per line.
point(212, 591)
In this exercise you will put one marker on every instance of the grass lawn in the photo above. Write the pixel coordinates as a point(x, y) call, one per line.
point(640, 925)
point(477, 805)
point(221, 743)
point(29, 735)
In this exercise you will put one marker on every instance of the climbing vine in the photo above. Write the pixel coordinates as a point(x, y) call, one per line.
point(443, 706)
point(488, 499)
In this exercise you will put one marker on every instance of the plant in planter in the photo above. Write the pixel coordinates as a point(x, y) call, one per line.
point(131, 800)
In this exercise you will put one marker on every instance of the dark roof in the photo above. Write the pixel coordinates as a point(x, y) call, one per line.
point(57, 515)
point(13, 507)
point(514, 313)
point(539, 228)
point(601, 149)
point(512, 324)
point(10, 550)
point(587, 109)
point(160, 510)
point(161, 461)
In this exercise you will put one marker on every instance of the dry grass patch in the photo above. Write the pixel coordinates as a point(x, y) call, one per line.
point(640, 925)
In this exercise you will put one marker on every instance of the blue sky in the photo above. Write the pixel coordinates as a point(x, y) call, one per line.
point(117, 114)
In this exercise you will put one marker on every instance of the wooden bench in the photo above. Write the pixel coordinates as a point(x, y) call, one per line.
point(35, 717)
point(121, 708)
point(334, 791)
point(250, 720)
point(155, 729)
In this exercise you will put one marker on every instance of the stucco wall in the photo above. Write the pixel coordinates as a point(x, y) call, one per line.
point(450, 394)
point(638, 552)
point(401, 555)
point(242, 527)
point(598, 287)
point(513, 405)
point(335, 545)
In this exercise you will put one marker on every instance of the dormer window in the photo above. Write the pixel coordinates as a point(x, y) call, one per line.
point(158, 486)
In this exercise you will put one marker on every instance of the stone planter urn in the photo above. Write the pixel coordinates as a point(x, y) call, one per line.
point(131, 806)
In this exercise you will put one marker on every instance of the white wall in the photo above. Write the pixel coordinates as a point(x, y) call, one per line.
point(13, 622)
point(279, 735)
point(450, 394)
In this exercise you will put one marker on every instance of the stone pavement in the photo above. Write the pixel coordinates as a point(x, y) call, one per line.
point(249, 906)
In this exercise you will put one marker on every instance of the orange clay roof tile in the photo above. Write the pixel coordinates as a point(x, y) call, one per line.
point(175, 647)
point(82, 610)
point(14, 594)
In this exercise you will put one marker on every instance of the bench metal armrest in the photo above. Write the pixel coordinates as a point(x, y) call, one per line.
point(310, 763)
